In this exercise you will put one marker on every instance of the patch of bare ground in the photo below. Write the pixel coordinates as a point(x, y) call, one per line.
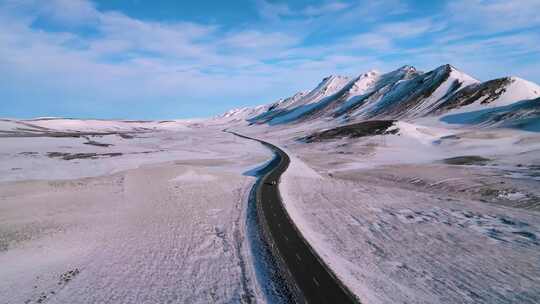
point(361, 129)
point(466, 160)
point(71, 156)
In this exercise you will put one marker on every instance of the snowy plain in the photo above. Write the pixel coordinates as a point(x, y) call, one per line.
point(156, 212)
point(161, 221)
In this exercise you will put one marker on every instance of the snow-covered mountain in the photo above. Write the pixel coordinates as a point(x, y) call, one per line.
point(242, 113)
point(403, 94)
point(303, 104)
point(493, 93)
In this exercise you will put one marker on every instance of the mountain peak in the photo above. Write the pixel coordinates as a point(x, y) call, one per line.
point(448, 68)
point(407, 68)
point(333, 77)
point(331, 84)
point(456, 73)
point(519, 79)
point(531, 89)
point(370, 74)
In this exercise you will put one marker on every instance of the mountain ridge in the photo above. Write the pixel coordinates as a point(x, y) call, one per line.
point(405, 93)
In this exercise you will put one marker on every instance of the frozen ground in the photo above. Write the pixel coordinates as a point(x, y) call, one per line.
point(146, 212)
point(156, 217)
point(428, 215)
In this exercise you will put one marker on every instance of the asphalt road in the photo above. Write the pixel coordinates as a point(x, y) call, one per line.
point(313, 278)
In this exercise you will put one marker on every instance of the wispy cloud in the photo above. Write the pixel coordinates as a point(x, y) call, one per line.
point(251, 40)
point(326, 8)
point(495, 15)
point(405, 29)
point(272, 11)
point(71, 50)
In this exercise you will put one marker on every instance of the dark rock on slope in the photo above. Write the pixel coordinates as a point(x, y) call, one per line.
point(366, 128)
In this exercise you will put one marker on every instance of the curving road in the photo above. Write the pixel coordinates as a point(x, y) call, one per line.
point(312, 280)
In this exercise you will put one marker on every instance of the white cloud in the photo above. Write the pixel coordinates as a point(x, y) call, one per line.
point(252, 39)
point(136, 60)
point(384, 37)
point(411, 28)
point(65, 12)
point(494, 15)
point(326, 8)
point(371, 11)
point(71, 12)
point(131, 59)
point(374, 41)
point(272, 11)
point(276, 11)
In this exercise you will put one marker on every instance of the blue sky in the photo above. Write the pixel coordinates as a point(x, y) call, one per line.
point(178, 59)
